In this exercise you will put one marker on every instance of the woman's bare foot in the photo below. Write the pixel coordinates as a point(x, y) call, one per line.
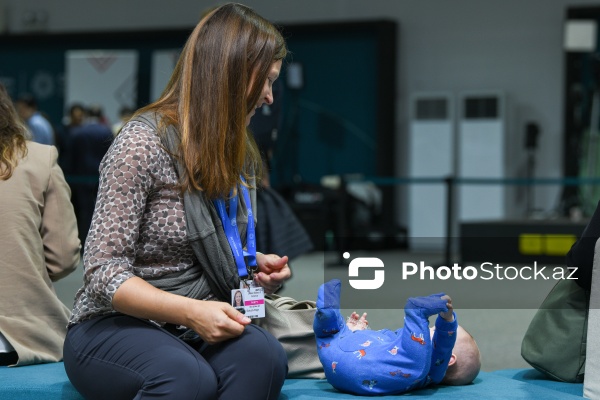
point(356, 322)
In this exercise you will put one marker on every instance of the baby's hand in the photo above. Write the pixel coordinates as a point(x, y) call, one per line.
point(448, 315)
point(357, 322)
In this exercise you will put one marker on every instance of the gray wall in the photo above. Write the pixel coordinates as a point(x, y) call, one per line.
point(452, 46)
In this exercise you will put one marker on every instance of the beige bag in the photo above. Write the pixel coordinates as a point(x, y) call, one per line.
point(291, 322)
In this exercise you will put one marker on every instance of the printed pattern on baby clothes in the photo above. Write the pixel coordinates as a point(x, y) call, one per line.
point(380, 362)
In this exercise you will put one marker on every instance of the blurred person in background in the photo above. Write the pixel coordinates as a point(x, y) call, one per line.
point(76, 117)
point(125, 114)
point(89, 142)
point(40, 128)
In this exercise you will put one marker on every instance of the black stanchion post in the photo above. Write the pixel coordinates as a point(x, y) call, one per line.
point(342, 225)
point(450, 183)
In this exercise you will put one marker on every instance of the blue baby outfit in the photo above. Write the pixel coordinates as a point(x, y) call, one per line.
point(367, 362)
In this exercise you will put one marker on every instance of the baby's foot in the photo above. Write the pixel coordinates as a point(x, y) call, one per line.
point(356, 323)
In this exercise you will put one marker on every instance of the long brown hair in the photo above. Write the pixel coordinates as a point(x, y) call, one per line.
point(13, 136)
point(208, 97)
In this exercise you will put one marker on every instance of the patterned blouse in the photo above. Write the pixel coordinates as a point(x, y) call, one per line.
point(138, 228)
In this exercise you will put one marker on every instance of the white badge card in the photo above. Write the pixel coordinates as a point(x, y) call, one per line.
point(255, 302)
point(250, 301)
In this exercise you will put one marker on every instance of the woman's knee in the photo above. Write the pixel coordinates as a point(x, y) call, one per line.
point(256, 350)
point(177, 376)
point(273, 360)
point(266, 347)
point(148, 363)
point(182, 375)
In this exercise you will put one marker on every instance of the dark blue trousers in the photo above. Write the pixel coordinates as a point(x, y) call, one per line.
point(120, 357)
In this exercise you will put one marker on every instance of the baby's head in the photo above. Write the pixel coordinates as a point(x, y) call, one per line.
point(465, 362)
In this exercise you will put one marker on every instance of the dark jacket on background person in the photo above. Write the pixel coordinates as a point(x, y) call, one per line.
point(89, 144)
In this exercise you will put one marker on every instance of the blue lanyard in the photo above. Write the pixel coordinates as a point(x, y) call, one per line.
point(233, 235)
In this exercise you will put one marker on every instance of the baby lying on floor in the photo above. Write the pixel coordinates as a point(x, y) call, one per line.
point(367, 362)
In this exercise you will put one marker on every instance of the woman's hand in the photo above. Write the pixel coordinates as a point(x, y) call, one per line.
point(272, 271)
point(216, 321)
